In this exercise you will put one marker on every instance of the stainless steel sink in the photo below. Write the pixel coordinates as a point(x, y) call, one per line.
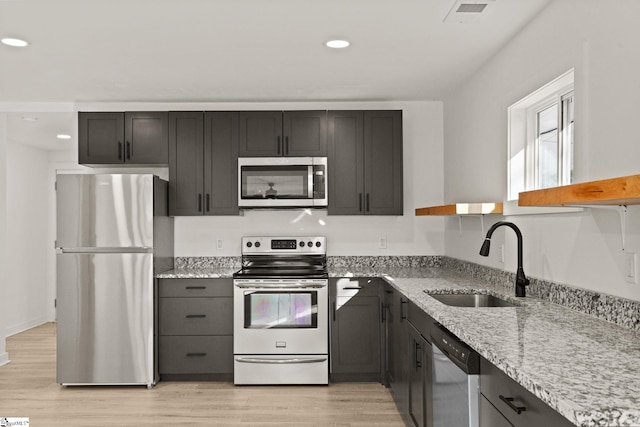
point(473, 300)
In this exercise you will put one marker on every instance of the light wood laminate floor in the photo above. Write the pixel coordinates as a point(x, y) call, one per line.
point(28, 389)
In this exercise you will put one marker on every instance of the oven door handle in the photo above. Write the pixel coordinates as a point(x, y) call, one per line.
point(292, 360)
point(280, 286)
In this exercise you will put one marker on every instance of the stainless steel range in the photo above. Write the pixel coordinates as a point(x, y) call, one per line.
point(281, 316)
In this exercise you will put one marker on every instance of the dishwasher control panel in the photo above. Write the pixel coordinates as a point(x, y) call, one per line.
point(460, 353)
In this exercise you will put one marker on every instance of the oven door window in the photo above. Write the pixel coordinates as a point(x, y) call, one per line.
point(276, 182)
point(281, 309)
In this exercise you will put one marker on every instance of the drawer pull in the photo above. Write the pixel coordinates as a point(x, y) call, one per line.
point(352, 288)
point(509, 402)
point(196, 287)
point(196, 354)
point(195, 316)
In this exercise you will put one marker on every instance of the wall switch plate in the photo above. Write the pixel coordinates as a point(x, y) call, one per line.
point(219, 245)
point(382, 243)
point(630, 267)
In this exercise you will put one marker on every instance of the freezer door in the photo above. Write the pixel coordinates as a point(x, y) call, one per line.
point(105, 319)
point(104, 211)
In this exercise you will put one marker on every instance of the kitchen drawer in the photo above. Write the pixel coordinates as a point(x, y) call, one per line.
point(188, 288)
point(490, 416)
point(354, 286)
point(494, 383)
point(196, 316)
point(196, 355)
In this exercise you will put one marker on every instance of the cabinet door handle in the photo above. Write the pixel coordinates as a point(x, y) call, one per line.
point(128, 150)
point(334, 311)
point(359, 202)
point(208, 202)
point(418, 362)
point(199, 202)
point(119, 150)
point(509, 402)
point(196, 287)
point(195, 316)
point(286, 145)
point(368, 204)
point(279, 146)
point(383, 310)
point(352, 287)
point(196, 354)
point(403, 315)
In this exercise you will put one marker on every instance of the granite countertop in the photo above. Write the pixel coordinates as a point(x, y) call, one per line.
point(585, 368)
point(199, 273)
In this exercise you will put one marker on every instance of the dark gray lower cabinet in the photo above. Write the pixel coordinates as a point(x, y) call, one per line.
point(509, 399)
point(419, 376)
point(195, 323)
point(355, 330)
point(397, 349)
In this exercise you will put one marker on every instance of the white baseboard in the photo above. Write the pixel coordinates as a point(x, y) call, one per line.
point(21, 327)
point(4, 358)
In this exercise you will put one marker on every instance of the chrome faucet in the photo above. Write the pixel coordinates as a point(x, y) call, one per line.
point(521, 279)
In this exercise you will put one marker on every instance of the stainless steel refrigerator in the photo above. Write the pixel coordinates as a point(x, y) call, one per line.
point(113, 235)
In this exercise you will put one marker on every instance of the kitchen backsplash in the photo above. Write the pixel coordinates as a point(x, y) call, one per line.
point(621, 311)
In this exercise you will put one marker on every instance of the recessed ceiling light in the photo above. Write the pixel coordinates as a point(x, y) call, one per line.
point(63, 136)
point(337, 44)
point(14, 42)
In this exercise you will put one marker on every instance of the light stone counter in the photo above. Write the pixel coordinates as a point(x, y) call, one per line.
point(585, 368)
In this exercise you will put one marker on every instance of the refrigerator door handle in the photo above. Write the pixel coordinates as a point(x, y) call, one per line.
point(127, 250)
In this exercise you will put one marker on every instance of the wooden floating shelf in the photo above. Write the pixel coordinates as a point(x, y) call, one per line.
point(615, 191)
point(461, 209)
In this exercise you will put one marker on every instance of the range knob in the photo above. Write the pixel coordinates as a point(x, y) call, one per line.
point(301, 244)
point(257, 244)
point(310, 244)
point(249, 244)
point(318, 244)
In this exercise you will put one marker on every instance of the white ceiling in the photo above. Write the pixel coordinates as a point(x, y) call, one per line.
point(245, 50)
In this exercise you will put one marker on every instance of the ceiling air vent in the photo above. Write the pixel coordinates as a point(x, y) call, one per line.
point(466, 11)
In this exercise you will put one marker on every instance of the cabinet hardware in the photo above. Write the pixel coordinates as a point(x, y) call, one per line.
point(418, 362)
point(286, 145)
point(510, 404)
point(403, 304)
point(195, 316)
point(359, 202)
point(208, 204)
point(199, 202)
point(352, 288)
point(334, 311)
point(196, 354)
point(383, 315)
point(196, 287)
point(368, 204)
point(119, 150)
point(128, 150)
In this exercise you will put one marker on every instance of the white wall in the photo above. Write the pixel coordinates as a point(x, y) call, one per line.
point(27, 238)
point(4, 357)
point(601, 40)
point(346, 235)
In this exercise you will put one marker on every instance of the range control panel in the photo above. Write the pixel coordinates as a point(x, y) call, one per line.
point(274, 245)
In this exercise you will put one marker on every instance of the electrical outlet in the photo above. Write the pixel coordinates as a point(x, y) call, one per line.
point(630, 267)
point(219, 245)
point(382, 243)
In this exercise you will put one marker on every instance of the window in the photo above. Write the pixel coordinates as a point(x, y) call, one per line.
point(541, 142)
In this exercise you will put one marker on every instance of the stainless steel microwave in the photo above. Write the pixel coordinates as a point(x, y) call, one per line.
point(282, 182)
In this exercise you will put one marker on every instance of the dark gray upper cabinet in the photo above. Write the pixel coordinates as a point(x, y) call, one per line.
point(186, 164)
point(203, 163)
point(139, 138)
point(365, 163)
point(221, 163)
point(288, 133)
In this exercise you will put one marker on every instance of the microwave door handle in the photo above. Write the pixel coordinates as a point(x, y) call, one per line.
point(310, 182)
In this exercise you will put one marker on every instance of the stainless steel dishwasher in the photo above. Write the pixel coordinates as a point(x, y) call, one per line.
point(455, 381)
